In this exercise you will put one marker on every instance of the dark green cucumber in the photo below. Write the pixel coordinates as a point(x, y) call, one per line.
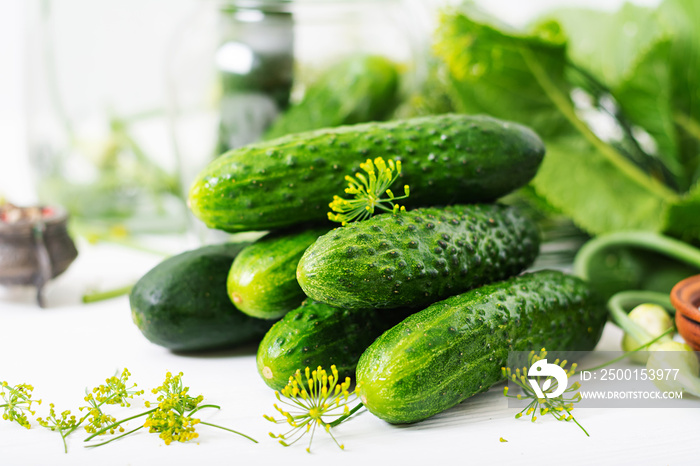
point(262, 281)
point(357, 89)
point(455, 348)
point(446, 159)
point(317, 334)
point(418, 257)
point(182, 303)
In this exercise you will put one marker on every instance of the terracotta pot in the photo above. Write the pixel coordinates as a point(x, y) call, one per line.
point(34, 251)
point(685, 297)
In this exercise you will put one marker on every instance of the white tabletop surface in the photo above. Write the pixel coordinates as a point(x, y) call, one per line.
point(69, 346)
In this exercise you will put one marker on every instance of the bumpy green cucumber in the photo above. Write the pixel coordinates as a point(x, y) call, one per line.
point(455, 348)
point(182, 304)
point(418, 257)
point(357, 89)
point(446, 159)
point(317, 334)
point(262, 281)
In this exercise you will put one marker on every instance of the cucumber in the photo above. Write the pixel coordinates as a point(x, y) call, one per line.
point(357, 89)
point(262, 281)
point(418, 257)
point(446, 159)
point(455, 348)
point(182, 303)
point(317, 334)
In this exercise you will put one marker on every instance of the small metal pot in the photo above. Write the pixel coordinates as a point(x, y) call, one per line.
point(35, 250)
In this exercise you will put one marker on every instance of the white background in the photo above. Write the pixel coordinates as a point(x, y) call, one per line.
point(15, 179)
point(70, 346)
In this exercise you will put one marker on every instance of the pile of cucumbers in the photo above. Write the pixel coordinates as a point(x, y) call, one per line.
point(421, 307)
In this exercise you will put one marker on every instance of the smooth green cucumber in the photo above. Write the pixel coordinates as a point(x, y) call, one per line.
point(317, 334)
point(446, 159)
point(356, 89)
point(262, 281)
point(455, 348)
point(182, 303)
point(418, 257)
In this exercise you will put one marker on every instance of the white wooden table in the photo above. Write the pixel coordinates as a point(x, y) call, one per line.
point(69, 346)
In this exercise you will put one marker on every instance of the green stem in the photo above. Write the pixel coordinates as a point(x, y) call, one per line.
point(689, 125)
point(584, 430)
point(345, 416)
point(115, 438)
point(229, 430)
point(620, 358)
point(202, 407)
point(561, 101)
point(618, 302)
point(89, 408)
point(112, 426)
point(65, 445)
point(75, 427)
point(161, 178)
point(653, 241)
point(109, 294)
point(648, 162)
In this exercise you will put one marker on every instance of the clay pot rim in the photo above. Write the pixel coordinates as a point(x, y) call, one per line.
point(685, 297)
point(23, 226)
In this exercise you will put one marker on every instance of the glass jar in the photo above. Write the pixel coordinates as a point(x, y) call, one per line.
point(98, 133)
point(129, 100)
point(245, 70)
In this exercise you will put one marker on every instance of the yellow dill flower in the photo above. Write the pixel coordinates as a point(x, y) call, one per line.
point(367, 192)
point(314, 399)
point(113, 392)
point(64, 423)
point(171, 425)
point(559, 407)
point(17, 403)
point(170, 419)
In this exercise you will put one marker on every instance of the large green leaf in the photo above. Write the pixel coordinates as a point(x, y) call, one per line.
point(522, 77)
point(593, 192)
point(645, 96)
point(627, 52)
point(683, 217)
point(681, 19)
point(608, 45)
point(490, 75)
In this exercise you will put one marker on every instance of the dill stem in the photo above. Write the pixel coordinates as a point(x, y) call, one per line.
point(202, 407)
point(114, 438)
point(109, 294)
point(112, 426)
point(584, 430)
point(65, 445)
point(345, 416)
point(229, 430)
